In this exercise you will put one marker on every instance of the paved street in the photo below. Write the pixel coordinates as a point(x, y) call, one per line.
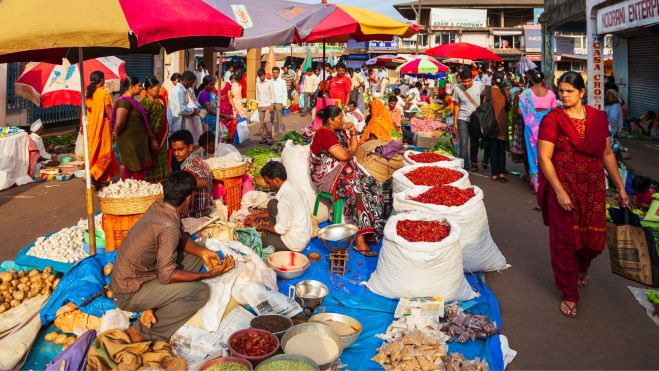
point(612, 331)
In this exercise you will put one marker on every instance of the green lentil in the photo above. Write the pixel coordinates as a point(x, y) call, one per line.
point(227, 366)
point(288, 365)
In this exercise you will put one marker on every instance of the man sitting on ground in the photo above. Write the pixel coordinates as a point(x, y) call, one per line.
point(182, 146)
point(158, 266)
point(356, 116)
point(288, 225)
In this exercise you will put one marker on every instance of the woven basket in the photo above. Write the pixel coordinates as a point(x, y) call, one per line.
point(127, 206)
point(230, 172)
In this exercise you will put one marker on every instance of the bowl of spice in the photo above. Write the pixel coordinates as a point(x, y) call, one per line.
point(274, 323)
point(227, 364)
point(288, 362)
point(253, 345)
point(313, 340)
point(346, 327)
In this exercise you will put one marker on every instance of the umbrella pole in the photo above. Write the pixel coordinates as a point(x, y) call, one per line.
point(217, 110)
point(91, 225)
point(324, 63)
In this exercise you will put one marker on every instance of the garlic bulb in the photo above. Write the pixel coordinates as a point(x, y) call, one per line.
point(130, 188)
point(221, 162)
point(65, 245)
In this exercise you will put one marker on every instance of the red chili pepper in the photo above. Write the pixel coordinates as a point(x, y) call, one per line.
point(422, 231)
point(428, 157)
point(433, 176)
point(446, 195)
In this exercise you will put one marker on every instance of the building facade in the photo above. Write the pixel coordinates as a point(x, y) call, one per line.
point(509, 28)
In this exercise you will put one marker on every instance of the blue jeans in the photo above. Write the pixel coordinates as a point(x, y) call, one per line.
point(463, 148)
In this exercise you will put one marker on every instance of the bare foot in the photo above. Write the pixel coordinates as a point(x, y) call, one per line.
point(135, 335)
point(148, 319)
point(583, 280)
point(362, 248)
point(568, 309)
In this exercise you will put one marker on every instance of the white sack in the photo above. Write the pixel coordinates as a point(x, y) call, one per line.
point(412, 269)
point(455, 162)
point(296, 161)
point(479, 252)
point(401, 183)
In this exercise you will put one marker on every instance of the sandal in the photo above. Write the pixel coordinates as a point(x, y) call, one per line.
point(569, 311)
point(367, 253)
point(474, 167)
point(583, 280)
point(503, 178)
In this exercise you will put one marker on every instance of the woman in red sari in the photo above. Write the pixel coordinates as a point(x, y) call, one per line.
point(574, 149)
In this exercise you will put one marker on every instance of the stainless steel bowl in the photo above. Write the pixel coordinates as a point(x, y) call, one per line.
point(356, 325)
point(338, 236)
point(315, 328)
point(288, 357)
point(310, 293)
point(287, 275)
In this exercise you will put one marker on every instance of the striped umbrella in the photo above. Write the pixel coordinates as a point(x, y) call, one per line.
point(422, 65)
point(49, 85)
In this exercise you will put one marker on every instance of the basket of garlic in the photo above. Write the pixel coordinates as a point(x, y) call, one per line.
point(129, 197)
point(225, 168)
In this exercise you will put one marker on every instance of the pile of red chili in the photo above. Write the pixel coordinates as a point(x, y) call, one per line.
point(422, 231)
point(445, 195)
point(433, 176)
point(428, 157)
point(253, 344)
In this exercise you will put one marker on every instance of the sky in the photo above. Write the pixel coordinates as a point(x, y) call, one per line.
point(381, 6)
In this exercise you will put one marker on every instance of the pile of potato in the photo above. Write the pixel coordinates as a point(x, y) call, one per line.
point(18, 286)
point(60, 339)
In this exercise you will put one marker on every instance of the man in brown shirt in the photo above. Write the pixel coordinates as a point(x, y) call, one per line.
point(157, 269)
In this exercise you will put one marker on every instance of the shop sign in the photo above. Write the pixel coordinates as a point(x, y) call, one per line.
point(533, 38)
point(596, 74)
point(463, 18)
point(627, 14)
point(384, 45)
point(564, 45)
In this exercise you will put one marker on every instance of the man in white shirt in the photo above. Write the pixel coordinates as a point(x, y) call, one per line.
point(466, 98)
point(228, 73)
point(35, 135)
point(177, 106)
point(265, 100)
point(309, 87)
point(487, 78)
point(414, 96)
point(281, 95)
point(200, 73)
point(288, 225)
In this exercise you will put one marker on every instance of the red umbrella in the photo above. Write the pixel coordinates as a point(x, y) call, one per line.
point(464, 51)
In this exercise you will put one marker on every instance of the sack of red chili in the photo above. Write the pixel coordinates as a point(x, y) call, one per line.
point(479, 251)
point(414, 176)
point(432, 158)
point(420, 268)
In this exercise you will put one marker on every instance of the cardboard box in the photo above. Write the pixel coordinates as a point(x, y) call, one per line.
point(429, 139)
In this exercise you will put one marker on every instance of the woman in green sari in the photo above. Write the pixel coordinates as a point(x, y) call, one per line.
point(155, 110)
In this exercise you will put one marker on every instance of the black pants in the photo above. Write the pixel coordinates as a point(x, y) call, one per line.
point(497, 156)
point(474, 143)
point(273, 239)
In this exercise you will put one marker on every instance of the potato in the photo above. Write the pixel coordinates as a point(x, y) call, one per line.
point(59, 339)
point(21, 273)
point(45, 291)
point(11, 289)
point(70, 340)
point(19, 295)
point(14, 303)
point(50, 278)
point(109, 294)
point(48, 270)
point(24, 279)
point(4, 286)
point(15, 283)
point(51, 336)
point(33, 273)
point(5, 277)
point(32, 293)
point(107, 270)
point(4, 307)
point(56, 282)
point(23, 287)
point(14, 274)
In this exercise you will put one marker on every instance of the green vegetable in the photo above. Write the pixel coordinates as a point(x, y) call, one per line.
point(260, 156)
point(227, 366)
point(444, 148)
point(60, 140)
point(653, 296)
point(296, 137)
point(285, 364)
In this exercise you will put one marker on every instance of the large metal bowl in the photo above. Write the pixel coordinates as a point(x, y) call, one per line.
point(356, 325)
point(288, 357)
point(310, 293)
point(315, 328)
point(280, 263)
point(338, 236)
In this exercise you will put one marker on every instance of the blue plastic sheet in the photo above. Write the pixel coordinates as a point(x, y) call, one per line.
point(349, 296)
point(23, 258)
point(82, 282)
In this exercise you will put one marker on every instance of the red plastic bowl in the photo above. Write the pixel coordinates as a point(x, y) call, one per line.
point(212, 362)
point(255, 360)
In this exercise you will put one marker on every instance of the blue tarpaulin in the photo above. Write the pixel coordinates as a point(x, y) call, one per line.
point(348, 296)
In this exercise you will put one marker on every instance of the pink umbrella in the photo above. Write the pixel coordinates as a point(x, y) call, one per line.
point(49, 85)
point(422, 65)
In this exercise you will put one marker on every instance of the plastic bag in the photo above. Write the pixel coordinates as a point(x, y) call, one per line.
point(228, 151)
point(296, 161)
point(413, 269)
point(479, 252)
point(267, 301)
point(114, 319)
point(255, 117)
point(242, 131)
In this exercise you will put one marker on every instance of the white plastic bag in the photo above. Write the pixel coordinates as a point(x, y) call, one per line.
point(479, 252)
point(412, 269)
point(255, 117)
point(296, 161)
point(401, 183)
point(454, 163)
point(228, 151)
point(114, 319)
point(242, 131)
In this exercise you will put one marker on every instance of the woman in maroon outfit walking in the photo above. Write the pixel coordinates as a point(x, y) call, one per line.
point(574, 149)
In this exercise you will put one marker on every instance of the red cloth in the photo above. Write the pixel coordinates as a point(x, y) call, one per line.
point(340, 88)
point(324, 139)
point(575, 237)
point(243, 85)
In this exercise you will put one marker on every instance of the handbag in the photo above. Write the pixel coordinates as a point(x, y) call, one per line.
point(632, 248)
